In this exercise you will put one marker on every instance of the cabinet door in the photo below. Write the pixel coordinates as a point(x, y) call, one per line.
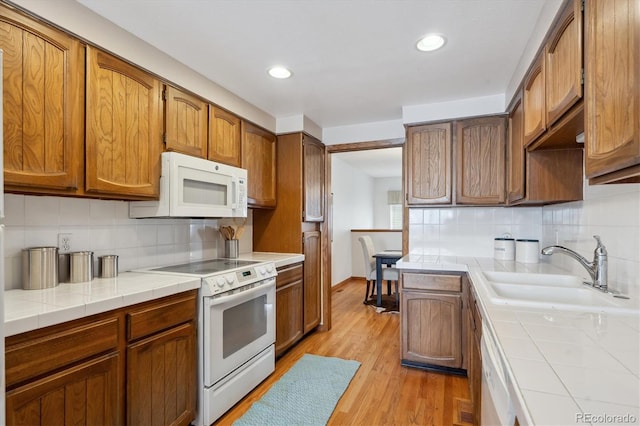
point(612, 110)
point(161, 373)
point(429, 164)
point(480, 147)
point(123, 128)
point(86, 394)
point(515, 152)
point(534, 101)
point(312, 279)
point(563, 67)
point(259, 158)
point(289, 307)
point(43, 89)
point(185, 123)
point(224, 136)
point(432, 328)
point(313, 188)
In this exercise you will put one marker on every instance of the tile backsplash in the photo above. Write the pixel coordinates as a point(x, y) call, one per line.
point(104, 227)
point(611, 211)
point(469, 231)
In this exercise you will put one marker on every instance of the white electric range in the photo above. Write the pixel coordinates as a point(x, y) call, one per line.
point(236, 329)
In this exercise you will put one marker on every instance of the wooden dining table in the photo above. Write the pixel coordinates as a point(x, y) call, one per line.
point(388, 258)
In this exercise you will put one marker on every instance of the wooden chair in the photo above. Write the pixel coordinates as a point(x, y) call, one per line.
point(388, 274)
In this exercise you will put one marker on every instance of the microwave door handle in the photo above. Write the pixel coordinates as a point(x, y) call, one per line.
point(235, 192)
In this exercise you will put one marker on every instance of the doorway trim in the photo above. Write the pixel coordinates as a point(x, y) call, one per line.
point(327, 225)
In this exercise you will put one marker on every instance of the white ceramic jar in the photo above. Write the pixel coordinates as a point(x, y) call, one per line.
point(527, 251)
point(504, 248)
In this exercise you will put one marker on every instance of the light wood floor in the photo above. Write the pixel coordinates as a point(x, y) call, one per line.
point(382, 392)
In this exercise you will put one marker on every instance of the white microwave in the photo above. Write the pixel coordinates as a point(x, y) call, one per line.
point(194, 187)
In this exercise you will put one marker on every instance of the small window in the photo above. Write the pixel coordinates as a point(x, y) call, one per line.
point(395, 216)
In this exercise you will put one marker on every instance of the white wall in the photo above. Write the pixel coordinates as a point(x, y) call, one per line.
point(363, 132)
point(104, 227)
point(482, 105)
point(381, 219)
point(352, 208)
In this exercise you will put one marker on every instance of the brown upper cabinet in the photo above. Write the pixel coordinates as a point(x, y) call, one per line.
point(543, 176)
point(259, 158)
point(185, 122)
point(563, 62)
point(203, 130)
point(429, 164)
point(224, 137)
point(612, 134)
point(43, 81)
point(479, 164)
point(515, 151)
point(313, 168)
point(552, 100)
point(123, 129)
point(480, 161)
point(534, 101)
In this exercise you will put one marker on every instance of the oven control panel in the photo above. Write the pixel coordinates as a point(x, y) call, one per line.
point(227, 281)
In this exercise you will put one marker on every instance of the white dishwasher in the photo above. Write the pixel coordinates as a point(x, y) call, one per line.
point(496, 408)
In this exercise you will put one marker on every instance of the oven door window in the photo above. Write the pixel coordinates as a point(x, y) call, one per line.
point(237, 327)
point(243, 324)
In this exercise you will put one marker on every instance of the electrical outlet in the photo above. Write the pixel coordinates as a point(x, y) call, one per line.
point(64, 243)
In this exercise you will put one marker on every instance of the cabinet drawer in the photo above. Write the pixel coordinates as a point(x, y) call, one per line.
point(34, 354)
point(161, 315)
point(288, 275)
point(413, 281)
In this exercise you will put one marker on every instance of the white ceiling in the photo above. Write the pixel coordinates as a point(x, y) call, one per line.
point(353, 61)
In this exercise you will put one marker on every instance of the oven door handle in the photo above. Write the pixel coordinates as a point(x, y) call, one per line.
point(247, 294)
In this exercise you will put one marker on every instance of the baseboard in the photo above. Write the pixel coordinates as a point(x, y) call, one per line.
point(434, 368)
point(345, 282)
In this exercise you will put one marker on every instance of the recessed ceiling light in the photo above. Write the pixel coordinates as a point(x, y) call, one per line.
point(430, 42)
point(279, 72)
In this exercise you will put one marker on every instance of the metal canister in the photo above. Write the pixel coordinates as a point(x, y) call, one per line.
point(80, 266)
point(108, 265)
point(39, 268)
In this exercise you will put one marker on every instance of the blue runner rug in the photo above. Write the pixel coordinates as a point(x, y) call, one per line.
point(307, 394)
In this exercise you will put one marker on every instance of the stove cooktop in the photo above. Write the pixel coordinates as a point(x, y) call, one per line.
point(206, 267)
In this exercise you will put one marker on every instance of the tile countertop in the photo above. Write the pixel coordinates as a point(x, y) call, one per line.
point(26, 310)
point(280, 259)
point(562, 365)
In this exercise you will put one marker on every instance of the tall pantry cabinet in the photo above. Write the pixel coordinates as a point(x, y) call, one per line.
point(294, 226)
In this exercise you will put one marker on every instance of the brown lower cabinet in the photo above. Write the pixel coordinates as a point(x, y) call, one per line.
point(289, 307)
point(134, 365)
point(431, 327)
point(474, 364)
point(441, 327)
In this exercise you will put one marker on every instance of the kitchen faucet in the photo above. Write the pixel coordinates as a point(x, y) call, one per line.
point(597, 269)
